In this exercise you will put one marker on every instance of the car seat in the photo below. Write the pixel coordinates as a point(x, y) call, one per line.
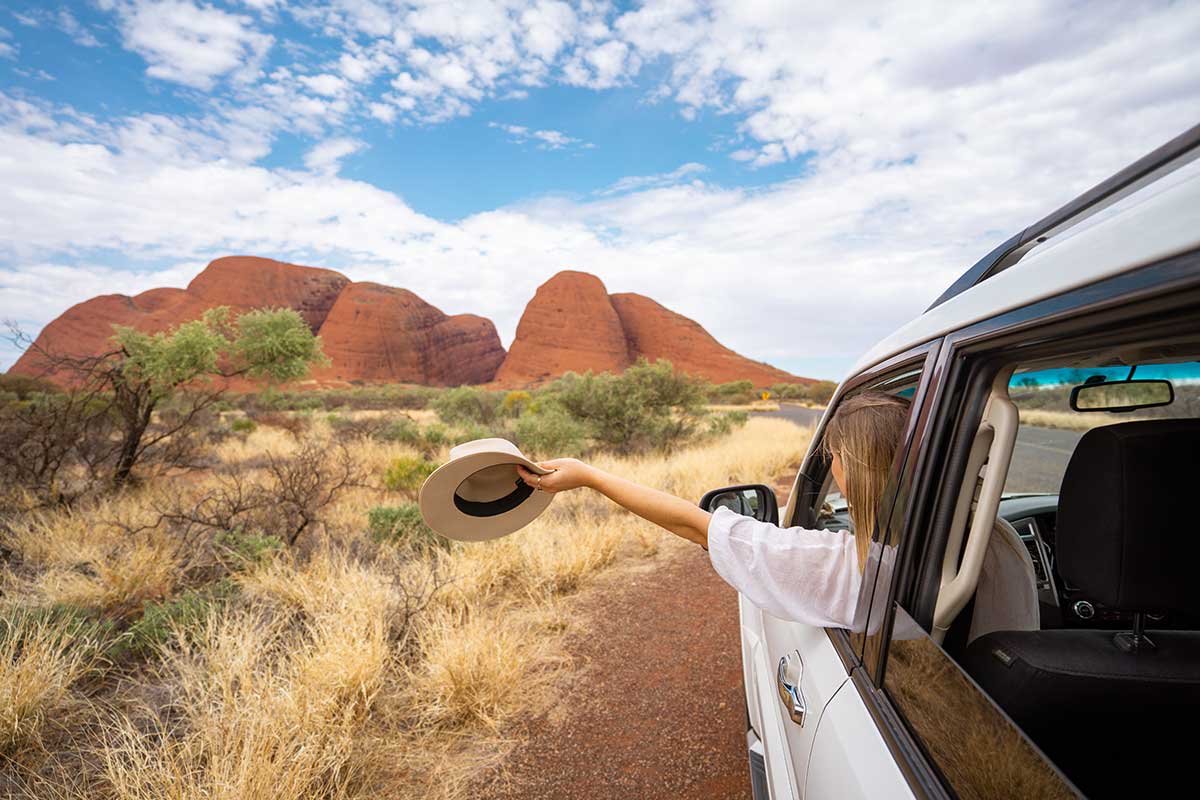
point(1112, 709)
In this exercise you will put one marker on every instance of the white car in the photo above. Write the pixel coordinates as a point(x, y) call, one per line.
point(1094, 308)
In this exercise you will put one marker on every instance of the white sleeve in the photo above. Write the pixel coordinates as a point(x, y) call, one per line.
point(797, 574)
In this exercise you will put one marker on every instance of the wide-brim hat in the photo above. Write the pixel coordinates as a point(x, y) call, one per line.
point(478, 494)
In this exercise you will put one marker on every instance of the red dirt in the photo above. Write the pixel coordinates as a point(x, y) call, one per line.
point(657, 711)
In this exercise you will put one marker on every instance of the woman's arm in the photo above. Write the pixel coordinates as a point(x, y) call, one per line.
point(666, 510)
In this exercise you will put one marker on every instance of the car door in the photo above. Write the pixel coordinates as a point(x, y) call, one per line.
point(794, 672)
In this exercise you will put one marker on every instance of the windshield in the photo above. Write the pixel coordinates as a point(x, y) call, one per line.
point(1050, 430)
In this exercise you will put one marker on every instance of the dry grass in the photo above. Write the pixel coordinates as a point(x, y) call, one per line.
point(755, 405)
point(335, 670)
point(40, 659)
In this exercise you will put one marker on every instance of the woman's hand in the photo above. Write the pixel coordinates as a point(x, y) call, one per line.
point(569, 473)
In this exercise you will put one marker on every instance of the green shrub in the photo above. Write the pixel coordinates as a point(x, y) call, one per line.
point(725, 424)
point(243, 425)
point(160, 621)
point(516, 403)
point(9, 397)
point(403, 525)
point(819, 393)
point(551, 432)
point(24, 385)
point(464, 405)
point(649, 406)
point(407, 473)
point(428, 440)
point(733, 393)
point(403, 430)
point(241, 549)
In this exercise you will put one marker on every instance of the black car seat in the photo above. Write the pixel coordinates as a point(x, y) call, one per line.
point(1115, 710)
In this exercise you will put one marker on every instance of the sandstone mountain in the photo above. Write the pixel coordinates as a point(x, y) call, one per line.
point(573, 323)
point(371, 332)
point(382, 334)
point(569, 325)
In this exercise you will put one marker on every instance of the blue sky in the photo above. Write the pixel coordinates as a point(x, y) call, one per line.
point(801, 180)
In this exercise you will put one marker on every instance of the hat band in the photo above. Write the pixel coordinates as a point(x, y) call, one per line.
point(491, 508)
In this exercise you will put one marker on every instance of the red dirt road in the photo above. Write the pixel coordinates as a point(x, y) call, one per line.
point(656, 711)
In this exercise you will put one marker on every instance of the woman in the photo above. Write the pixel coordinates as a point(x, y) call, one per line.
point(808, 576)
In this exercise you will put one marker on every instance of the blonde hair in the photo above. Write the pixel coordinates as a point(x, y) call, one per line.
point(865, 432)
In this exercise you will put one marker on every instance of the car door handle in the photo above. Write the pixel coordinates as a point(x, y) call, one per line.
point(791, 670)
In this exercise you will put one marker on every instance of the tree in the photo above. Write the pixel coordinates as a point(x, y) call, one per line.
point(153, 387)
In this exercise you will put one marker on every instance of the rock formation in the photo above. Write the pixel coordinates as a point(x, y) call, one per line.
point(382, 334)
point(570, 324)
point(371, 332)
point(248, 281)
point(657, 332)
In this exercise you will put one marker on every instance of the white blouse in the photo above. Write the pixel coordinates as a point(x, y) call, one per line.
point(802, 575)
point(812, 577)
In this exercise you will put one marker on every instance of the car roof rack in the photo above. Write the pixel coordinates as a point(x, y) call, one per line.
point(1147, 169)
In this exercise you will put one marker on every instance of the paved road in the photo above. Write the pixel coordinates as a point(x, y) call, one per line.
point(1039, 460)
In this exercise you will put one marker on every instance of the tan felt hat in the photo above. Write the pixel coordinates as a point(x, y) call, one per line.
point(478, 494)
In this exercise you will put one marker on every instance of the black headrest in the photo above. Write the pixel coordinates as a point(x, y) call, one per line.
point(1129, 516)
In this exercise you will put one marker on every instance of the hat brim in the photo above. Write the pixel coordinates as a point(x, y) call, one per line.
point(440, 512)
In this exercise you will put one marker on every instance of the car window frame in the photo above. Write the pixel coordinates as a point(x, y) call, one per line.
point(967, 362)
point(922, 357)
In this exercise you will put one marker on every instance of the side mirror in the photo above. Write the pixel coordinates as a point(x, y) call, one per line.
point(749, 500)
point(1121, 395)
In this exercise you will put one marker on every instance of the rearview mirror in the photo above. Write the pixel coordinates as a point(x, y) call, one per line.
point(749, 500)
point(1121, 395)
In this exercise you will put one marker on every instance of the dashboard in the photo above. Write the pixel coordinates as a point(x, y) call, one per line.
point(1034, 517)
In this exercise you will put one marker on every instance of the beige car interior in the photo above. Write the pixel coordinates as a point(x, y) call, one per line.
point(984, 556)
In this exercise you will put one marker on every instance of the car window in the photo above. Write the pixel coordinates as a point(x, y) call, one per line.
point(978, 750)
point(828, 509)
point(1050, 429)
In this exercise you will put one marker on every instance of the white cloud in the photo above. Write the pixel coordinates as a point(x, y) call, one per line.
point(193, 44)
point(324, 84)
point(545, 139)
point(327, 156)
point(78, 33)
point(7, 49)
point(639, 182)
point(921, 139)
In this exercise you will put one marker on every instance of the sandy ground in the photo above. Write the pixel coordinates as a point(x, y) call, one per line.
point(656, 709)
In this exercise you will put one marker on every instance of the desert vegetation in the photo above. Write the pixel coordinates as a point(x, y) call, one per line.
point(263, 613)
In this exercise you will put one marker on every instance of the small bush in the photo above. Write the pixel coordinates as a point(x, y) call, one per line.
point(243, 425)
point(465, 405)
point(23, 385)
point(500, 428)
point(403, 525)
point(725, 424)
point(733, 393)
point(295, 424)
point(649, 406)
point(515, 403)
point(405, 430)
point(551, 432)
point(160, 621)
point(407, 473)
point(241, 550)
